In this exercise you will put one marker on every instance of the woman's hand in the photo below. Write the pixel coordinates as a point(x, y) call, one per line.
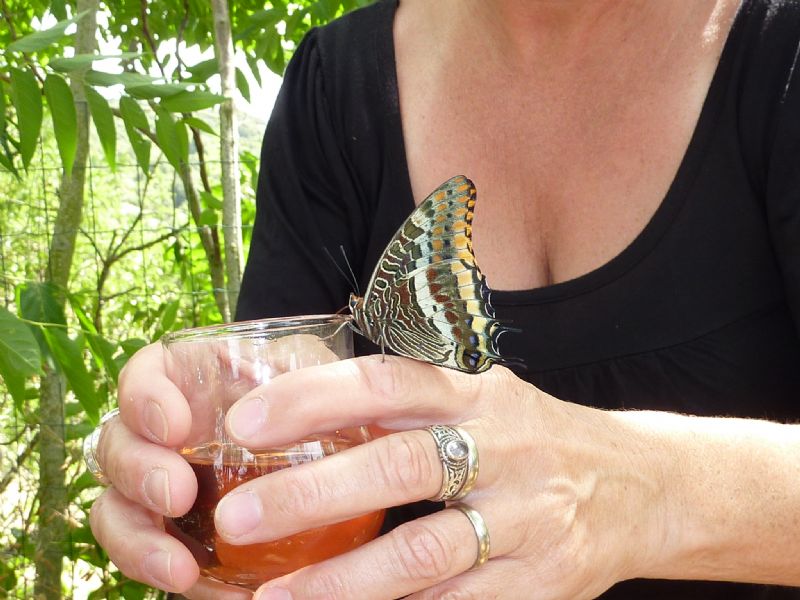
point(149, 481)
point(558, 487)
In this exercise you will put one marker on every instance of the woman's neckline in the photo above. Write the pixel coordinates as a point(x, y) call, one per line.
point(647, 239)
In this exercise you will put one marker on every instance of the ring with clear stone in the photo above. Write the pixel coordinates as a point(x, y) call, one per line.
point(459, 456)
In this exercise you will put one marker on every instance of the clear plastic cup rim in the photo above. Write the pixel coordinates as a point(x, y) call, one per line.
point(254, 328)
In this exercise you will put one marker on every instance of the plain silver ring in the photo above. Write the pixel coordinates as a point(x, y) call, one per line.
point(481, 532)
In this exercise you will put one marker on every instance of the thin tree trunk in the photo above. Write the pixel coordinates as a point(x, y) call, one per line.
point(53, 500)
point(210, 241)
point(229, 152)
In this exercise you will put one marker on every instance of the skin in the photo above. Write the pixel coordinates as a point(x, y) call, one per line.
point(575, 498)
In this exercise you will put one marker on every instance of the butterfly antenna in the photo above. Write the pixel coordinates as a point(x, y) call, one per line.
point(349, 268)
point(351, 282)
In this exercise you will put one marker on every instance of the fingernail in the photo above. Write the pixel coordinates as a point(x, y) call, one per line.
point(158, 565)
point(237, 514)
point(155, 421)
point(273, 594)
point(247, 417)
point(156, 488)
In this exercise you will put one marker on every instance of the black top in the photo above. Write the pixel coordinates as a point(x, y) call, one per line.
point(699, 314)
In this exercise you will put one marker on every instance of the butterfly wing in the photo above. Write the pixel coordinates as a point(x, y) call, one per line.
point(427, 299)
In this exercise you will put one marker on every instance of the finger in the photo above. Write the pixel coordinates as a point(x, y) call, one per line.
point(414, 556)
point(395, 393)
point(391, 471)
point(137, 544)
point(146, 473)
point(150, 404)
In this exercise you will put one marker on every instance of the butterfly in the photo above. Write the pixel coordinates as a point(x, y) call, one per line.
point(426, 298)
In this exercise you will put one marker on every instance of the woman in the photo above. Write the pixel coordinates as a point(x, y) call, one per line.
point(638, 176)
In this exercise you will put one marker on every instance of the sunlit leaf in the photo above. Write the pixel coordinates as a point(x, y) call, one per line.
point(27, 99)
point(39, 302)
point(80, 61)
point(42, 39)
point(103, 119)
point(65, 122)
point(191, 101)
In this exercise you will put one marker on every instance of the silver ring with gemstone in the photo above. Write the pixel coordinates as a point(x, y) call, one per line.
point(459, 456)
point(481, 532)
point(90, 443)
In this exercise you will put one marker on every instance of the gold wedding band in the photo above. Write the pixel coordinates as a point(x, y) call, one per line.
point(90, 443)
point(481, 532)
point(459, 457)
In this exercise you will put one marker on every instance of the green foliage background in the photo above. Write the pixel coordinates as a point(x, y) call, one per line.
point(140, 267)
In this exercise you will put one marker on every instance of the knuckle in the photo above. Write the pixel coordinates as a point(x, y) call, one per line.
point(422, 552)
point(327, 584)
point(303, 493)
point(385, 379)
point(404, 464)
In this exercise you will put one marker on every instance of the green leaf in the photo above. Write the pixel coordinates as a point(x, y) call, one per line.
point(103, 79)
point(132, 345)
point(167, 136)
point(103, 350)
point(209, 217)
point(59, 9)
point(69, 357)
point(242, 84)
point(65, 64)
point(141, 148)
point(40, 302)
point(132, 113)
point(191, 101)
point(210, 200)
point(169, 313)
point(199, 124)
point(203, 70)
point(65, 122)
point(103, 119)
point(19, 355)
point(134, 117)
point(148, 91)
point(27, 99)
point(42, 39)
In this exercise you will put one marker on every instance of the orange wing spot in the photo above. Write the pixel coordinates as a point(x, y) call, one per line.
point(460, 211)
point(437, 230)
point(441, 298)
point(436, 258)
point(440, 218)
point(463, 187)
point(431, 275)
point(437, 245)
point(460, 241)
point(439, 197)
point(451, 317)
point(435, 288)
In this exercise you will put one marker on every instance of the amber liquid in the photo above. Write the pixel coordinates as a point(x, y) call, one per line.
point(220, 469)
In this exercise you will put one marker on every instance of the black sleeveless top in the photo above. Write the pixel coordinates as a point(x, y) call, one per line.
point(698, 315)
